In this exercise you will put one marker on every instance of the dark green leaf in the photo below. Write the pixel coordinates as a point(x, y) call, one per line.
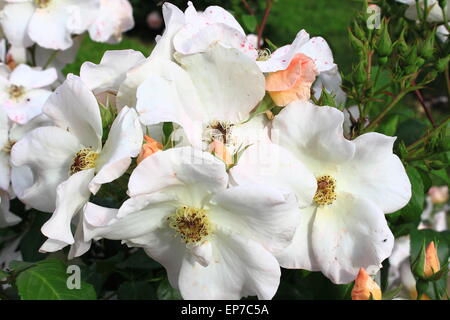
point(166, 292)
point(47, 280)
point(136, 290)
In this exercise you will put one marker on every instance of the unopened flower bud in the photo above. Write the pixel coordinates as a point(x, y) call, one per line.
point(356, 44)
point(365, 288)
point(442, 63)
point(360, 73)
point(149, 147)
point(384, 46)
point(426, 49)
point(432, 265)
point(220, 150)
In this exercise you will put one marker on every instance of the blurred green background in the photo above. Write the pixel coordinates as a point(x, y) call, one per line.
point(327, 18)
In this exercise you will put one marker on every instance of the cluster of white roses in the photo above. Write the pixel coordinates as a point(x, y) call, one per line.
point(38, 39)
point(237, 195)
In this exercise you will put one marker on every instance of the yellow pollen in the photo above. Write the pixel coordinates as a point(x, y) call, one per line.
point(326, 190)
point(84, 159)
point(192, 224)
point(16, 92)
point(42, 3)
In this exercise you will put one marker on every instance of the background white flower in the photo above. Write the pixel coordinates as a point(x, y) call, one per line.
point(49, 23)
point(23, 91)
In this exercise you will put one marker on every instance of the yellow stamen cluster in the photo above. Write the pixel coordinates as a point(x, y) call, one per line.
point(192, 224)
point(84, 159)
point(263, 55)
point(42, 3)
point(16, 92)
point(326, 190)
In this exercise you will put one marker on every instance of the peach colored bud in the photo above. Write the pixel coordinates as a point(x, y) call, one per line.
point(294, 83)
point(438, 194)
point(220, 150)
point(149, 147)
point(432, 264)
point(364, 287)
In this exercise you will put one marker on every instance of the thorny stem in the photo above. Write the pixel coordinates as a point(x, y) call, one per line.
point(264, 21)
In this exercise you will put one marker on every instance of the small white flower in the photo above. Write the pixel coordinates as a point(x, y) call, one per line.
point(115, 18)
point(215, 243)
point(49, 23)
point(23, 91)
point(68, 161)
point(343, 228)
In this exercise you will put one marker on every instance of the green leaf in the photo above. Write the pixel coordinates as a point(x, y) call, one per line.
point(3, 275)
point(413, 210)
point(47, 280)
point(389, 126)
point(33, 239)
point(136, 290)
point(139, 260)
point(249, 22)
point(166, 292)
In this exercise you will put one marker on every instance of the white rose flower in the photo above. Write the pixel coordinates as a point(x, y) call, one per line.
point(115, 18)
point(343, 229)
point(215, 243)
point(49, 23)
point(210, 96)
point(23, 91)
point(68, 160)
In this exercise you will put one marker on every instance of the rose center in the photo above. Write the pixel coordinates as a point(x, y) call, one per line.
point(219, 131)
point(84, 159)
point(326, 190)
point(191, 224)
point(16, 92)
point(263, 55)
